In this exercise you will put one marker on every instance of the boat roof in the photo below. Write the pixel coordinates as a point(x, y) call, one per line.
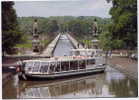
point(63, 58)
point(85, 49)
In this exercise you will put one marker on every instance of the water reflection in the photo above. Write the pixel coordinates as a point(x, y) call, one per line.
point(120, 85)
point(107, 84)
point(66, 88)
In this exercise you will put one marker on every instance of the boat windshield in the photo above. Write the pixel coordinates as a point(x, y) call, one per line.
point(29, 65)
point(37, 66)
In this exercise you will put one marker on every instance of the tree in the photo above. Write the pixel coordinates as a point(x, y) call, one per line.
point(10, 30)
point(52, 27)
point(124, 17)
point(105, 41)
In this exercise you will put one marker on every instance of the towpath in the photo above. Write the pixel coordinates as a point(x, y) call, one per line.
point(126, 65)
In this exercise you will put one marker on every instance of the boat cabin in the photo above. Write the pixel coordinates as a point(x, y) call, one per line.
point(56, 66)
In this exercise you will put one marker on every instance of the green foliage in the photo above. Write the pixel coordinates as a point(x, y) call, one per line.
point(87, 43)
point(11, 35)
point(9, 39)
point(117, 44)
point(85, 24)
point(81, 27)
point(61, 23)
point(8, 16)
point(24, 45)
point(105, 41)
point(45, 25)
point(124, 27)
point(52, 26)
point(45, 42)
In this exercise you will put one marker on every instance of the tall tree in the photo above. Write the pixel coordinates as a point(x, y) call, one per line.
point(52, 27)
point(10, 30)
point(124, 27)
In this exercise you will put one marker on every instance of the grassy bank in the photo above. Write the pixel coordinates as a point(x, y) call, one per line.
point(27, 44)
point(24, 45)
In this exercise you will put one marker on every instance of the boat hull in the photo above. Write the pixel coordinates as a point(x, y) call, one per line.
point(62, 74)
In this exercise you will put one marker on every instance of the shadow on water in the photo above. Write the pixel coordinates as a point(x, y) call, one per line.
point(112, 83)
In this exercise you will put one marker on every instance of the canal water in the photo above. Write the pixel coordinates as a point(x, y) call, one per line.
point(63, 47)
point(112, 83)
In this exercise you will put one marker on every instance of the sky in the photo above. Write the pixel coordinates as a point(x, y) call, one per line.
point(48, 8)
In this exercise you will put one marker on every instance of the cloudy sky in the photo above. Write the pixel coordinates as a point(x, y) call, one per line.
point(63, 8)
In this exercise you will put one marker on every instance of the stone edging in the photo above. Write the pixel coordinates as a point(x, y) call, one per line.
point(50, 48)
point(74, 41)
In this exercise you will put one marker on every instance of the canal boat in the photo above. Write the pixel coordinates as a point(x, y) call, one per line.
point(81, 61)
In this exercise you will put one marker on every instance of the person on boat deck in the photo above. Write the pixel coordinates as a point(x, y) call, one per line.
point(92, 54)
point(83, 44)
point(21, 66)
point(78, 45)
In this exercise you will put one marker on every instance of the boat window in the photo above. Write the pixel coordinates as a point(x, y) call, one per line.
point(52, 67)
point(65, 66)
point(28, 64)
point(90, 61)
point(44, 67)
point(73, 65)
point(82, 64)
point(44, 63)
point(77, 53)
point(57, 68)
point(82, 53)
point(36, 66)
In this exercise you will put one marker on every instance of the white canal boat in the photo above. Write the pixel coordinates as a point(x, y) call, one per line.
point(82, 61)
